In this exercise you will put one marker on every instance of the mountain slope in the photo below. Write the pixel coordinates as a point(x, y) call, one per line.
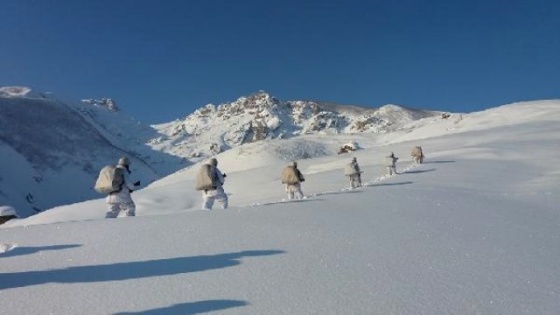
point(56, 148)
point(54, 151)
point(474, 230)
point(253, 169)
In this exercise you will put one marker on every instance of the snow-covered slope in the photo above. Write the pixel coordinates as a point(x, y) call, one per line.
point(317, 154)
point(54, 149)
point(474, 230)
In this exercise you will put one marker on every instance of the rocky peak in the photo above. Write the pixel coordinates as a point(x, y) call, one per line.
point(256, 100)
point(106, 103)
point(261, 116)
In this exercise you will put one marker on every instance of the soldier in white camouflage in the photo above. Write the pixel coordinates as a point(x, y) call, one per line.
point(121, 200)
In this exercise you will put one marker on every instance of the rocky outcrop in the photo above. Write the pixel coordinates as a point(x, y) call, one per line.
point(106, 103)
point(261, 116)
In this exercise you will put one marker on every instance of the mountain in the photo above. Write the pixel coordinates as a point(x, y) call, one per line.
point(212, 129)
point(473, 230)
point(54, 149)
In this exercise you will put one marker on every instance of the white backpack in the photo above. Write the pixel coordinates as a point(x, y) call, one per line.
point(205, 178)
point(290, 176)
point(351, 169)
point(417, 151)
point(110, 179)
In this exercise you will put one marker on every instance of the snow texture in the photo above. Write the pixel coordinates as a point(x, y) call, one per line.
point(473, 230)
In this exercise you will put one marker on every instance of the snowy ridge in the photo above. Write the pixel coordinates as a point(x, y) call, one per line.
point(212, 129)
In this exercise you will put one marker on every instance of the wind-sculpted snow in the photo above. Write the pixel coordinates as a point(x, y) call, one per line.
point(301, 149)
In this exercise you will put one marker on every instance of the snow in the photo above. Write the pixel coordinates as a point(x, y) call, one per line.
point(473, 230)
point(262, 116)
point(51, 142)
point(7, 210)
point(46, 144)
point(14, 91)
point(273, 123)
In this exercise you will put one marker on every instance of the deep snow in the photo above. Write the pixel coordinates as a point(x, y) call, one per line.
point(474, 230)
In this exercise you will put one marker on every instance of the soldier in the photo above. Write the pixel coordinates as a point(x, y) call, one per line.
point(216, 190)
point(292, 177)
point(417, 155)
point(391, 163)
point(352, 170)
point(121, 200)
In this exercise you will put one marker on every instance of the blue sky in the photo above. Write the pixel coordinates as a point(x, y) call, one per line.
point(160, 60)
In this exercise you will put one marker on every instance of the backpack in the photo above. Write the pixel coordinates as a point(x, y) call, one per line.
point(205, 179)
point(351, 169)
point(290, 176)
point(417, 151)
point(110, 179)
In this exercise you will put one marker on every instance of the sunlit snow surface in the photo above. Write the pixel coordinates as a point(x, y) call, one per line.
point(473, 230)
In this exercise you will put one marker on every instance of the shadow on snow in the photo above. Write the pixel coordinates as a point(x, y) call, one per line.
point(389, 184)
point(436, 162)
point(343, 191)
point(191, 308)
point(419, 171)
point(128, 270)
point(286, 201)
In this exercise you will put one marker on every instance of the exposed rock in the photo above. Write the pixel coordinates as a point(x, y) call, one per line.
point(107, 103)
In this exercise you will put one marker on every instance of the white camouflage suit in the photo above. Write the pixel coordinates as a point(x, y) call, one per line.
point(209, 196)
point(391, 162)
point(355, 175)
point(294, 190)
point(121, 200)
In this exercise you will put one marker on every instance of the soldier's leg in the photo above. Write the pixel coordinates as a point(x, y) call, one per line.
point(207, 201)
point(290, 191)
point(113, 211)
point(129, 209)
point(222, 199)
point(298, 191)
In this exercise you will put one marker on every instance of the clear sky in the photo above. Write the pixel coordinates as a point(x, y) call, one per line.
point(160, 60)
